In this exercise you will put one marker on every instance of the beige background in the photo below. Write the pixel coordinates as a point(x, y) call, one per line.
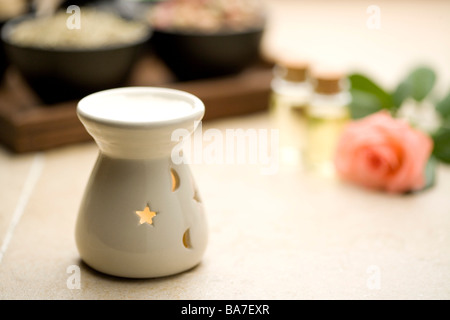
point(286, 236)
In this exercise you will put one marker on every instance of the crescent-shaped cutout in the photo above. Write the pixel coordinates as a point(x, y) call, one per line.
point(175, 179)
point(187, 239)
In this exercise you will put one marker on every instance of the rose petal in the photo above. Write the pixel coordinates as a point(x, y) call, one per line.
point(416, 152)
point(382, 152)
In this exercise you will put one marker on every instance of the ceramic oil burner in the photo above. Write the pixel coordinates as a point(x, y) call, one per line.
point(141, 215)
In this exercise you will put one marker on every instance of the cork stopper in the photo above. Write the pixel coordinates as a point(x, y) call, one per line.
point(296, 74)
point(292, 68)
point(328, 82)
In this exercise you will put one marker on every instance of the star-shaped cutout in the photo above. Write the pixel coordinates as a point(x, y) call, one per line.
point(146, 215)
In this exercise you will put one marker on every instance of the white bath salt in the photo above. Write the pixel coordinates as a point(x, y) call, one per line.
point(97, 29)
point(135, 107)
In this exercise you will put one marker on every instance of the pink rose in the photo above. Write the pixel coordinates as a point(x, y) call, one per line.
point(384, 153)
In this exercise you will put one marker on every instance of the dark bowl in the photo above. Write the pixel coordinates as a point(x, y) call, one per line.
point(193, 56)
point(58, 75)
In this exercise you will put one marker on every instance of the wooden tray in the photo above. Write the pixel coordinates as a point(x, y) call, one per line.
point(27, 125)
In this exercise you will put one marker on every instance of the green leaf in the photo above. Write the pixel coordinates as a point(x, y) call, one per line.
point(362, 83)
point(417, 85)
point(430, 172)
point(441, 140)
point(363, 104)
point(400, 94)
point(443, 106)
point(422, 81)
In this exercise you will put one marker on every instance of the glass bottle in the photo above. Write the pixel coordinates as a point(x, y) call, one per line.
point(291, 92)
point(327, 114)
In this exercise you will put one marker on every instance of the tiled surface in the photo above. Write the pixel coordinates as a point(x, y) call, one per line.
point(13, 173)
point(283, 236)
point(289, 235)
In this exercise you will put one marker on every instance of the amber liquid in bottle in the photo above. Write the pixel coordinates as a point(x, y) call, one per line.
point(327, 114)
point(290, 95)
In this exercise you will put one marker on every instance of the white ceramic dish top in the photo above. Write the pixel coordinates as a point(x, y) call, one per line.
point(141, 106)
